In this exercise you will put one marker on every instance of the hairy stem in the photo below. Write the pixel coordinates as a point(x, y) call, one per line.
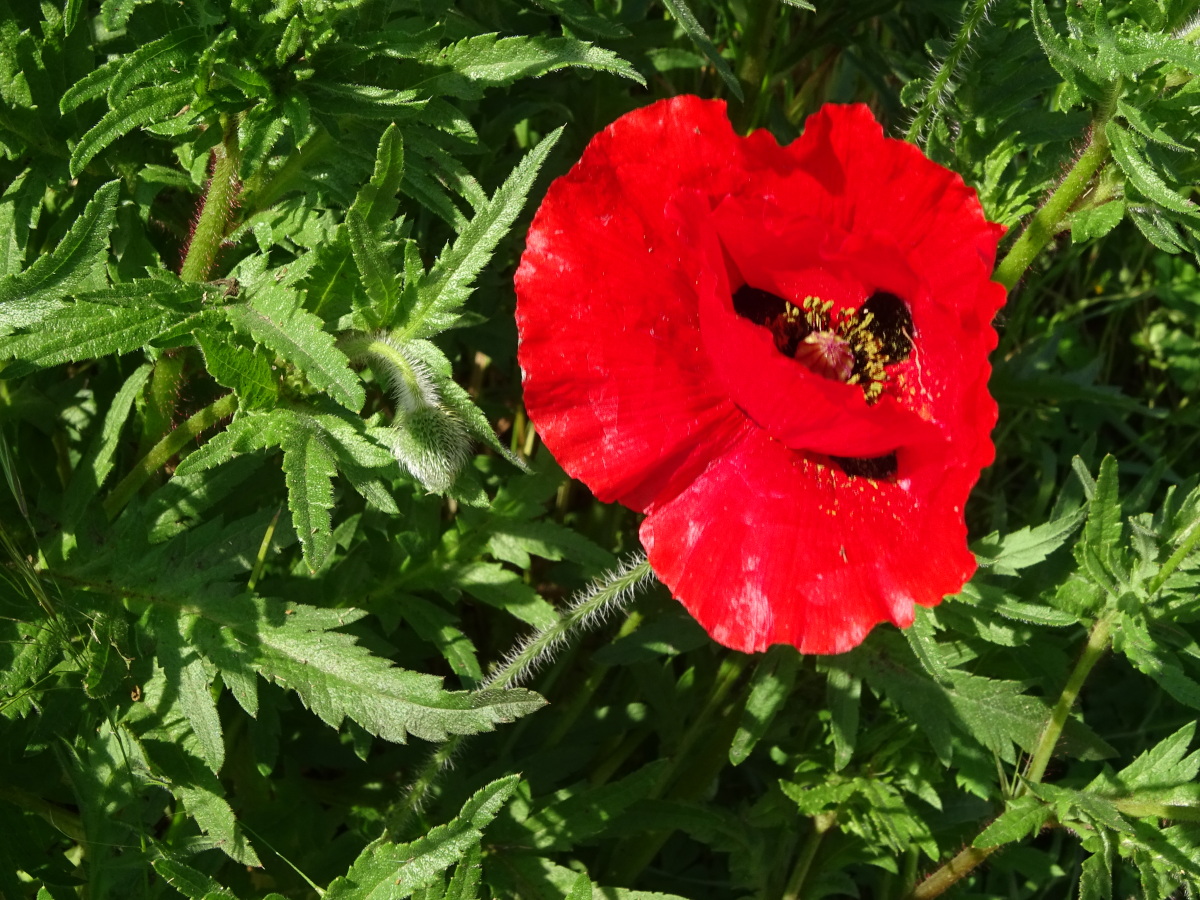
point(966, 861)
point(1047, 221)
point(606, 595)
point(219, 202)
point(822, 823)
point(951, 873)
point(1093, 650)
point(941, 77)
point(171, 444)
point(591, 606)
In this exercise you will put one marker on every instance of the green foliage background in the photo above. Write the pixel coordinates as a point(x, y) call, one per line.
point(281, 547)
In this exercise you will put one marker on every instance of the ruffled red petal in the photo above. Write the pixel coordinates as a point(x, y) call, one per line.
point(768, 547)
point(646, 383)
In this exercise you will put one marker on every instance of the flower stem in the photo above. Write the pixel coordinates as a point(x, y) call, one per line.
point(591, 606)
point(219, 201)
point(1048, 220)
point(966, 861)
point(950, 874)
point(941, 78)
point(171, 444)
point(605, 596)
point(1093, 650)
point(822, 823)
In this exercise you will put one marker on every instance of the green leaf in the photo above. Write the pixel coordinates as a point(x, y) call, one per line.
point(275, 318)
point(300, 648)
point(435, 297)
point(97, 464)
point(769, 688)
point(1102, 532)
point(504, 589)
point(1089, 224)
point(378, 278)
point(191, 883)
point(1070, 58)
point(309, 467)
point(578, 813)
point(141, 107)
point(486, 60)
point(78, 261)
point(686, 18)
point(843, 695)
point(89, 329)
point(1154, 659)
point(1027, 546)
point(1023, 817)
point(1141, 173)
point(246, 370)
point(160, 59)
point(397, 870)
point(375, 203)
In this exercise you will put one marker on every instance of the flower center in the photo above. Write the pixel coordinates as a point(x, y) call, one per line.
point(854, 346)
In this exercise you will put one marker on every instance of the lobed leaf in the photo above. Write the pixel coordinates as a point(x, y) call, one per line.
point(141, 107)
point(275, 318)
point(435, 298)
point(77, 261)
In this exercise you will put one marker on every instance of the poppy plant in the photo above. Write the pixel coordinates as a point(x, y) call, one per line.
point(778, 354)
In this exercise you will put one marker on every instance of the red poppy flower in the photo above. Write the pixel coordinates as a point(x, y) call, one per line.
point(779, 354)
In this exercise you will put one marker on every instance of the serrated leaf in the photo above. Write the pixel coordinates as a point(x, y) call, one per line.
point(1155, 659)
point(203, 798)
point(843, 695)
point(309, 468)
point(92, 85)
point(1069, 57)
point(504, 589)
point(244, 370)
point(1102, 531)
point(436, 296)
point(298, 647)
point(1089, 224)
point(89, 330)
point(686, 18)
point(191, 883)
point(97, 464)
point(386, 870)
point(141, 107)
point(247, 432)
point(378, 278)
point(366, 101)
point(487, 60)
point(574, 815)
point(1027, 546)
point(157, 59)
point(376, 201)
point(1023, 817)
point(275, 318)
point(77, 261)
point(1141, 173)
point(769, 688)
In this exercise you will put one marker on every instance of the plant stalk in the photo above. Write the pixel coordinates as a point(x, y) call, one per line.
point(966, 861)
point(1093, 650)
point(1047, 221)
point(171, 444)
point(213, 222)
point(822, 823)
